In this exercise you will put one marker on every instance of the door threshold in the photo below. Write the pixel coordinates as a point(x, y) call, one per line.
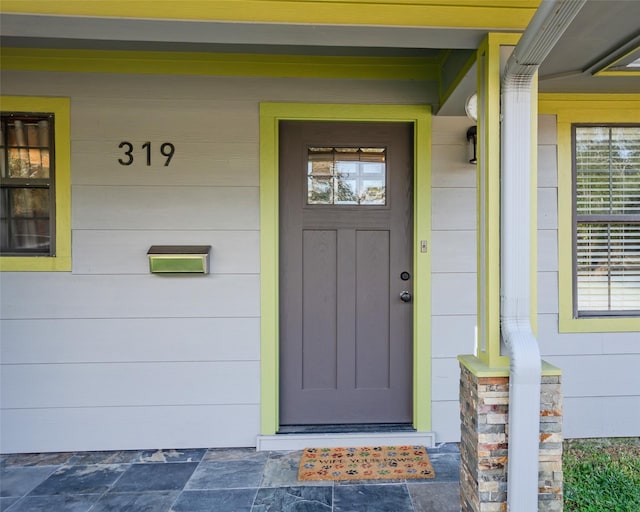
point(300, 441)
point(346, 428)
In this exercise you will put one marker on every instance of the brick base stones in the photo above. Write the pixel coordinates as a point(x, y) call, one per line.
point(484, 411)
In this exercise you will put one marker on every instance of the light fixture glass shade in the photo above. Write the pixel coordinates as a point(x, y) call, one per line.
point(471, 107)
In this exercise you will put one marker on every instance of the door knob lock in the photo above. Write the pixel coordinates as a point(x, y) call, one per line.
point(405, 296)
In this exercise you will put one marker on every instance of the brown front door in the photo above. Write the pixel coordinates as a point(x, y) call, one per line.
point(345, 272)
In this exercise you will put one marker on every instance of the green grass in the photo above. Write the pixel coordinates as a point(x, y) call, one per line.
point(602, 475)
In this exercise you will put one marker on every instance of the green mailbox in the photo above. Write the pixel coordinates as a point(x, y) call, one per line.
point(179, 259)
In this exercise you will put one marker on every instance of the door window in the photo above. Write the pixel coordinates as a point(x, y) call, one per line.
point(346, 176)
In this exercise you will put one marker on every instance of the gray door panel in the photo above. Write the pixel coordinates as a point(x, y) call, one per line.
point(345, 335)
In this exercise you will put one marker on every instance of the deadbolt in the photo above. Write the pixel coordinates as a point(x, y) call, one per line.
point(405, 276)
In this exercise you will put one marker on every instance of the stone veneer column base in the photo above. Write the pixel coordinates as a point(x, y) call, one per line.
point(484, 412)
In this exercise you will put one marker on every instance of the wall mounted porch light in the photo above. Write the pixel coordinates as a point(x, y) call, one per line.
point(472, 140)
point(471, 108)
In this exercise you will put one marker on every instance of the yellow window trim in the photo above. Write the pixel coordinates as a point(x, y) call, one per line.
point(60, 107)
point(514, 14)
point(582, 108)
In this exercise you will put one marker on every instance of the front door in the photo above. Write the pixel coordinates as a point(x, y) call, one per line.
point(345, 272)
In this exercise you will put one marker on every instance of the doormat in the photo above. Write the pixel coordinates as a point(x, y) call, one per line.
point(365, 463)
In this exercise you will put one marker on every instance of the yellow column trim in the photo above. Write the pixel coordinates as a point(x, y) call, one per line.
point(489, 84)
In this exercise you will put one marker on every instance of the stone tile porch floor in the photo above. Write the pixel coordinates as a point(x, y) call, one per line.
point(216, 480)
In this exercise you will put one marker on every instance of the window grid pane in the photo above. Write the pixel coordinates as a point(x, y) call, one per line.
point(608, 267)
point(346, 176)
point(607, 170)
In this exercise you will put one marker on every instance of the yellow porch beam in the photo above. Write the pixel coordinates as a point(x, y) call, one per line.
point(494, 14)
point(219, 64)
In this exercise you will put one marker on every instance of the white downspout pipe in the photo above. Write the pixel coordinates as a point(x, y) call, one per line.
point(546, 27)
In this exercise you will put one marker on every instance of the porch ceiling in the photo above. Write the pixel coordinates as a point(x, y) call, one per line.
point(603, 32)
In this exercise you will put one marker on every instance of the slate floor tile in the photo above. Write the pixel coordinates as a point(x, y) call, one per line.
point(281, 470)
point(80, 479)
point(220, 500)
point(435, 497)
point(369, 482)
point(445, 448)
point(155, 477)
point(112, 457)
point(38, 459)
point(171, 455)
point(446, 467)
point(5, 503)
point(227, 475)
point(219, 454)
point(298, 499)
point(18, 481)
point(371, 498)
point(136, 502)
point(68, 503)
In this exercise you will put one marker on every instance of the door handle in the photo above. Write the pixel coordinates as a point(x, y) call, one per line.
point(405, 296)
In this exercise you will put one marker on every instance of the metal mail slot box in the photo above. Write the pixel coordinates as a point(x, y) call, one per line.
point(179, 259)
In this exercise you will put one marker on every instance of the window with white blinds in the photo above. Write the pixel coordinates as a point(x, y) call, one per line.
point(606, 220)
point(27, 212)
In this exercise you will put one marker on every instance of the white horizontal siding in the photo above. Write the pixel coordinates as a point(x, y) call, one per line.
point(547, 164)
point(453, 335)
point(453, 209)
point(453, 251)
point(125, 359)
point(165, 208)
point(547, 130)
point(611, 416)
point(450, 166)
point(446, 421)
point(600, 370)
point(547, 208)
point(159, 120)
point(129, 384)
point(203, 164)
point(453, 294)
point(453, 266)
point(599, 375)
point(446, 378)
point(119, 340)
point(567, 344)
point(128, 428)
point(547, 292)
point(99, 251)
point(58, 295)
point(547, 250)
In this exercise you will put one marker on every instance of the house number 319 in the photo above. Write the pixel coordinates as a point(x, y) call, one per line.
point(167, 149)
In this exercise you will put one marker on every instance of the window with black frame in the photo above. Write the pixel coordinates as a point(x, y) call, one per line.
point(27, 178)
point(606, 225)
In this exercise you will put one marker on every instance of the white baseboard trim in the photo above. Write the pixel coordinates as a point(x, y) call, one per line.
point(302, 441)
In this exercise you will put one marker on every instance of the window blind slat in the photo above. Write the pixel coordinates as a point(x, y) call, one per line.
point(608, 267)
